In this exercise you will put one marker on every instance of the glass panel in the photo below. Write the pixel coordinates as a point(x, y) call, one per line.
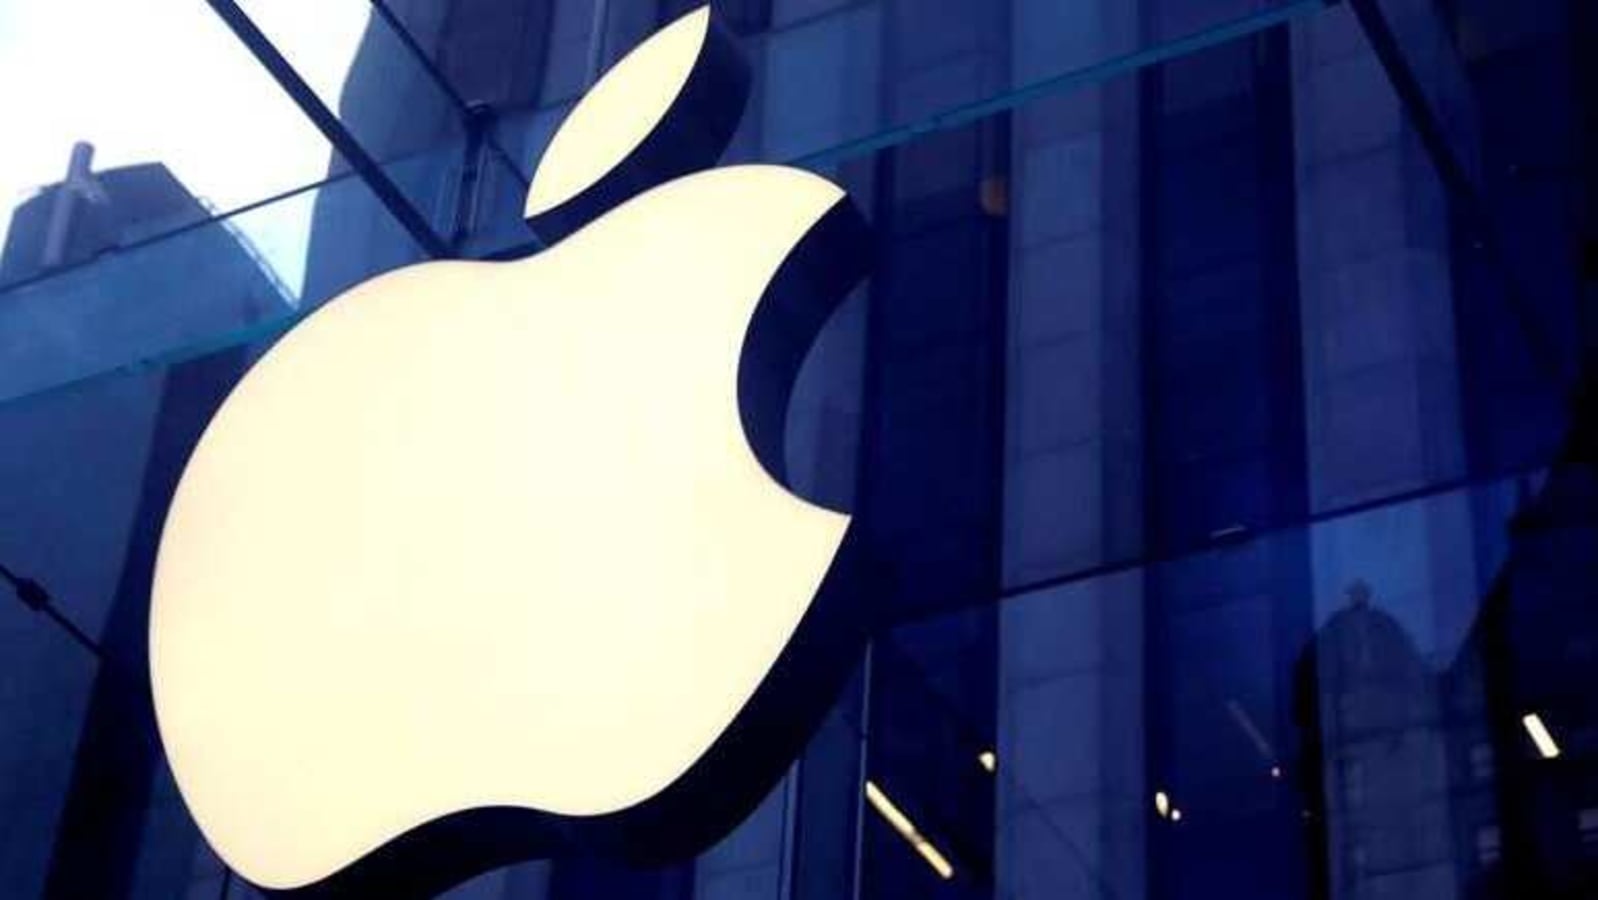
point(384, 92)
point(1511, 157)
point(160, 81)
point(821, 67)
point(427, 156)
point(1190, 729)
point(1421, 38)
point(1182, 241)
point(45, 680)
point(494, 196)
point(86, 531)
point(214, 284)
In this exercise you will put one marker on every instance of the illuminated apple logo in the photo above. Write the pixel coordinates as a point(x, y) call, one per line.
point(492, 561)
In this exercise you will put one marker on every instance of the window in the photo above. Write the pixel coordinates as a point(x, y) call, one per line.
point(1354, 783)
point(1587, 825)
point(1481, 762)
point(1488, 845)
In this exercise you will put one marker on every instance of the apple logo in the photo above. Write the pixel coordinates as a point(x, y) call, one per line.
point(486, 562)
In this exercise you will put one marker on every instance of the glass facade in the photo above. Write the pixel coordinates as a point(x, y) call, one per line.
point(1221, 388)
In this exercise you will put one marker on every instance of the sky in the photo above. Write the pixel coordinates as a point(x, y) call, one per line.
point(166, 81)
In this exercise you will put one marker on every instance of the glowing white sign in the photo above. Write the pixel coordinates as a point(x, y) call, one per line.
point(491, 534)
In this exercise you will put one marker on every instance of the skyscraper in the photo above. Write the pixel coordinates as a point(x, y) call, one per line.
point(82, 287)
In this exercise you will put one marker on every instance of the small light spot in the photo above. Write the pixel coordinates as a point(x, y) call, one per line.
point(901, 823)
point(1541, 736)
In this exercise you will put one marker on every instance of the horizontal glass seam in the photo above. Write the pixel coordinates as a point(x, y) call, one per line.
point(951, 118)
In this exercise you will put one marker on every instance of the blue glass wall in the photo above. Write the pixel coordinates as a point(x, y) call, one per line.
point(1221, 388)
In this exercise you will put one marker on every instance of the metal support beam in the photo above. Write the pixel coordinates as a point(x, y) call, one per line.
point(34, 596)
point(1461, 188)
point(365, 166)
